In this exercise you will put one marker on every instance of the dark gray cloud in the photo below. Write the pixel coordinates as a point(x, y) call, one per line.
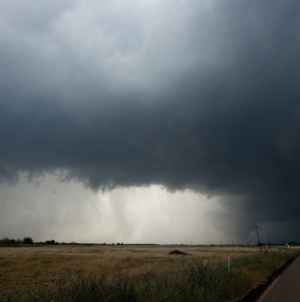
point(193, 95)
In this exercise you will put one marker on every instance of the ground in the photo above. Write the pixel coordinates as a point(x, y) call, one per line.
point(41, 262)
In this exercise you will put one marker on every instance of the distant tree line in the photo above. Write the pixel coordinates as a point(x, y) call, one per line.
point(29, 241)
point(51, 242)
point(12, 242)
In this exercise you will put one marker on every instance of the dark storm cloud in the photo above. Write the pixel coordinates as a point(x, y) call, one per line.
point(197, 95)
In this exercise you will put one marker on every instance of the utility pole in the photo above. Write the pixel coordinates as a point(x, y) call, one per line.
point(258, 239)
point(237, 236)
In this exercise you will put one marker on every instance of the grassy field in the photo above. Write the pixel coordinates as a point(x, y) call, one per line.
point(21, 263)
point(43, 265)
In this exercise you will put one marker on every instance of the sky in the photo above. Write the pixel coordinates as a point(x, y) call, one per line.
point(162, 121)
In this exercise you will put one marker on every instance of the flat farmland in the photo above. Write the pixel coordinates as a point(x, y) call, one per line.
point(18, 264)
point(133, 273)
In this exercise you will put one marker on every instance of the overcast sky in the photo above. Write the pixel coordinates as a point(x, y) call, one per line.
point(162, 121)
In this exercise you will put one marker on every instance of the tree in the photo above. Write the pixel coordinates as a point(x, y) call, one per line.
point(11, 242)
point(27, 240)
point(5, 240)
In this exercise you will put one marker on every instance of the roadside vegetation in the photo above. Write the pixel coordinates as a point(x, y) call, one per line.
point(131, 274)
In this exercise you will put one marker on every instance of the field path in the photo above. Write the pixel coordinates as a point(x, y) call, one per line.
point(286, 288)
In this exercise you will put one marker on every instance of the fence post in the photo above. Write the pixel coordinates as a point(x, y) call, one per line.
point(228, 265)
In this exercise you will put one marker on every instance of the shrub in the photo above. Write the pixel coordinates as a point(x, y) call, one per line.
point(27, 240)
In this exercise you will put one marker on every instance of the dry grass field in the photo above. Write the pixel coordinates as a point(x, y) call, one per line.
point(50, 262)
point(134, 272)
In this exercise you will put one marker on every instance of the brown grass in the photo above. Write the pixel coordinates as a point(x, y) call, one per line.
point(49, 262)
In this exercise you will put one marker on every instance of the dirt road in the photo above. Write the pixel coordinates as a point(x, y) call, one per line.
point(286, 288)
